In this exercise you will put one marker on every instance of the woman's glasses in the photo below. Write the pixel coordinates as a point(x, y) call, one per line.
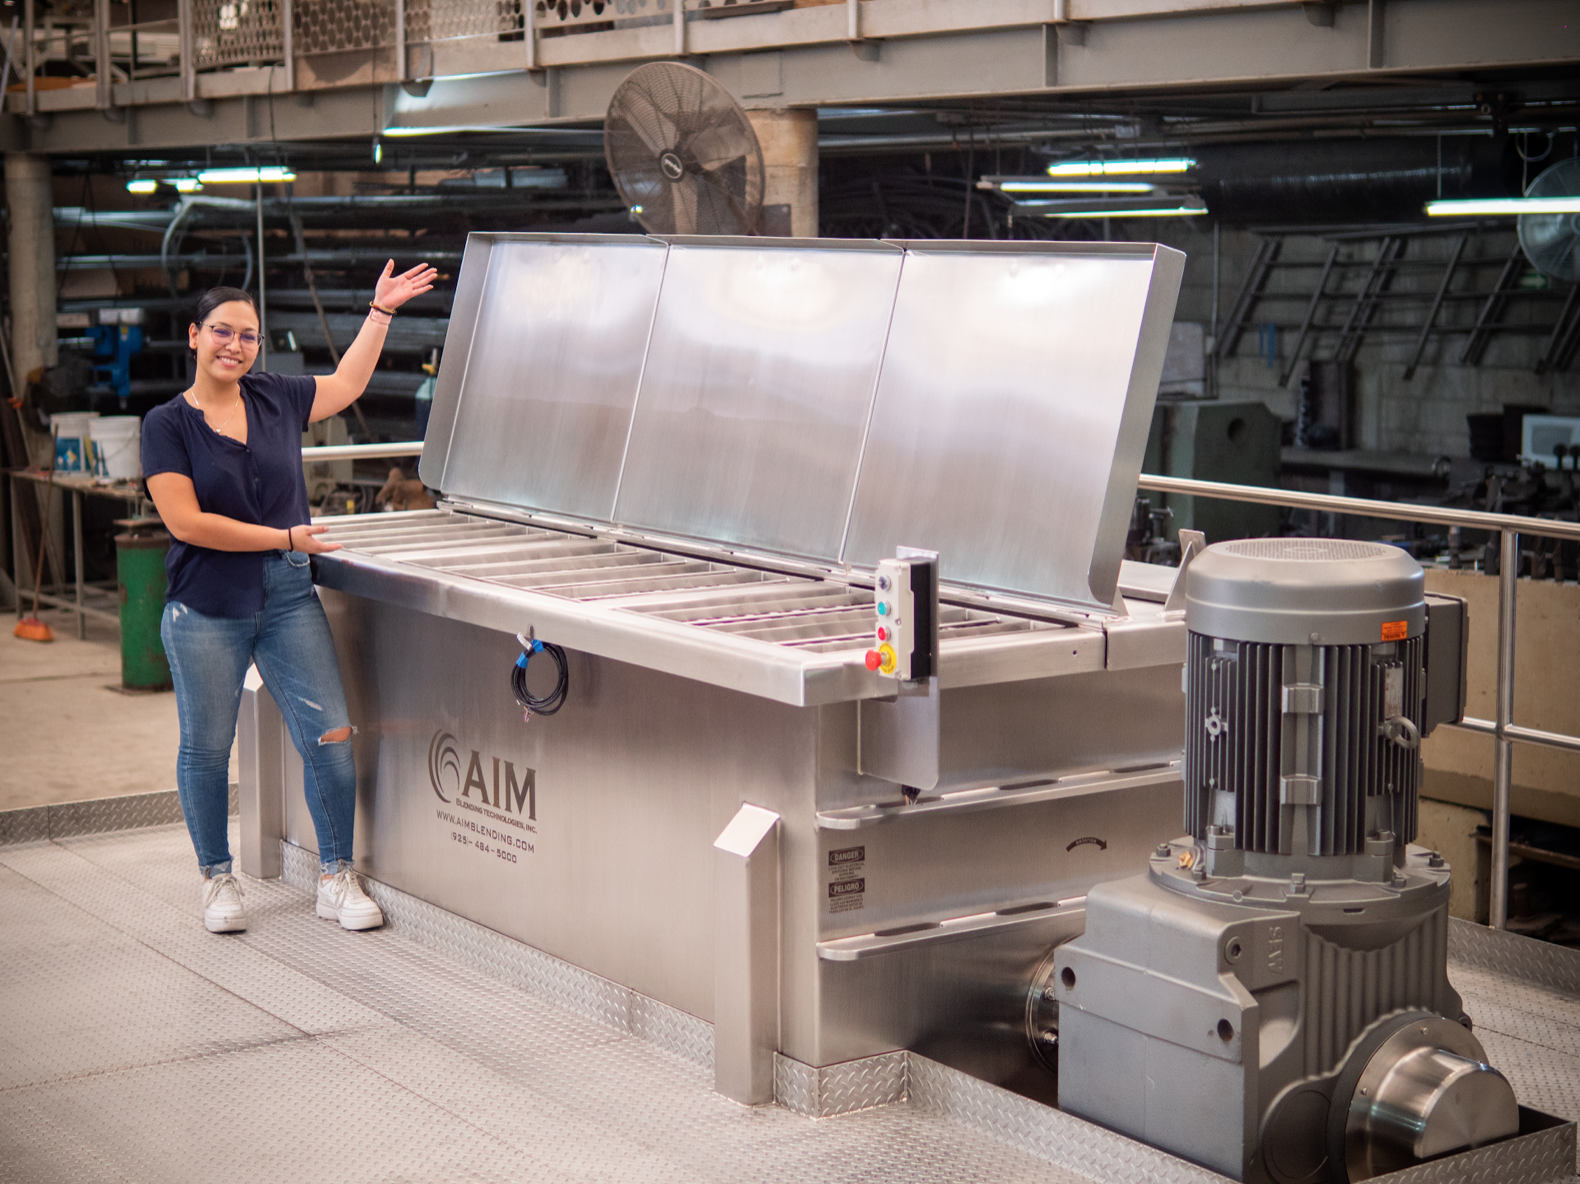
point(224, 334)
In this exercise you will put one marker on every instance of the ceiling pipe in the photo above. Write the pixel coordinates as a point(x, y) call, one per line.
point(1349, 180)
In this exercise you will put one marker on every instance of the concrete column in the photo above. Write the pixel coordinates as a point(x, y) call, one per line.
point(32, 278)
point(789, 143)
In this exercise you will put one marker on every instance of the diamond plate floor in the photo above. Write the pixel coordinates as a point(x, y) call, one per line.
point(135, 1046)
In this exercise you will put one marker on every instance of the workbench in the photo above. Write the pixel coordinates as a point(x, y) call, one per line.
point(86, 599)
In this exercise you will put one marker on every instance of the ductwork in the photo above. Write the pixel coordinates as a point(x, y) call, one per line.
point(1351, 180)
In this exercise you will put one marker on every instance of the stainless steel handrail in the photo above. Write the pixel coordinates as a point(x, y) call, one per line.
point(1364, 507)
point(1489, 727)
point(1509, 527)
point(361, 451)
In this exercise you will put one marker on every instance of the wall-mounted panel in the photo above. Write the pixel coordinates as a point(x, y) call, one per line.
point(1012, 411)
point(551, 371)
point(757, 389)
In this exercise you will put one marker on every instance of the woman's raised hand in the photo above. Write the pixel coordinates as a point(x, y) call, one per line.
point(391, 291)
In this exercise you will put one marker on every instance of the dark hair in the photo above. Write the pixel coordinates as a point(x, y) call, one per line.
point(215, 297)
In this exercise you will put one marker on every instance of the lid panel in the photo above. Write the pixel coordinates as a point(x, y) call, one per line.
point(551, 372)
point(1011, 389)
point(758, 383)
point(823, 399)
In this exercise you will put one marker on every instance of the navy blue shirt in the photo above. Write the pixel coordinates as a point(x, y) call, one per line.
point(258, 482)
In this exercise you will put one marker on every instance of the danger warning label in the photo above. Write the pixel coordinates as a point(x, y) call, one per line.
point(845, 895)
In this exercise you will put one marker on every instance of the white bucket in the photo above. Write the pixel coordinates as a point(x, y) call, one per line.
point(72, 440)
point(117, 451)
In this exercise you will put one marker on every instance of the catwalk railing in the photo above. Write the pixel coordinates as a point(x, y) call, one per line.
point(221, 52)
point(206, 36)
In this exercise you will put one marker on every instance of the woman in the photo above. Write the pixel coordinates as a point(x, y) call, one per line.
point(223, 464)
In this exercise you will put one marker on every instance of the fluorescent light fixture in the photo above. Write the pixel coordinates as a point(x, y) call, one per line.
point(1032, 185)
point(1118, 168)
point(150, 185)
point(1159, 212)
point(1491, 206)
point(245, 176)
point(451, 130)
point(1161, 206)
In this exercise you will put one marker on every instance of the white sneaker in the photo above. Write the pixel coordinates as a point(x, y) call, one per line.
point(222, 909)
point(341, 898)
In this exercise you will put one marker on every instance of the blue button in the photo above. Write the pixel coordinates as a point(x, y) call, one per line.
point(883, 608)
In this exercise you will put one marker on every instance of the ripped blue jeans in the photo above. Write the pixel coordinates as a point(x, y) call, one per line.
point(294, 652)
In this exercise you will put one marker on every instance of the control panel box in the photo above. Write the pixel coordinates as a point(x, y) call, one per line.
point(905, 632)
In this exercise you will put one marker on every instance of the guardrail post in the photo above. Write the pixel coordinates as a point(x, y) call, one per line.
point(400, 41)
point(30, 58)
point(188, 51)
point(746, 956)
point(1503, 759)
point(288, 42)
point(104, 89)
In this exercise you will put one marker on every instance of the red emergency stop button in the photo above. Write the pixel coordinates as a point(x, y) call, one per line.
point(874, 659)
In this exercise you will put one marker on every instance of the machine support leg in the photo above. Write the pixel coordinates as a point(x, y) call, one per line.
point(1503, 761)
point(261, 733)
point(746, 956)
point(16, 547)
point(76, 555)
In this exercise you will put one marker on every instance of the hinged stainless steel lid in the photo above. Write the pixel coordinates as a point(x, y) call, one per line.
point(821, 399)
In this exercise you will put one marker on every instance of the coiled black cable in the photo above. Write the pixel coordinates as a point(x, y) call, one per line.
point(555, 699)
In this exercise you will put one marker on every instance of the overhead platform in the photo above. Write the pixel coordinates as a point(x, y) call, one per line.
point(137, 1046)
point(479, 68)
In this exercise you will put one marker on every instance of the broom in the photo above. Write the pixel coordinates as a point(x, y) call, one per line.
point(31, 628)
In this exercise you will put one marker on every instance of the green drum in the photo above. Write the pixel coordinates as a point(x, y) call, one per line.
point(140, 569)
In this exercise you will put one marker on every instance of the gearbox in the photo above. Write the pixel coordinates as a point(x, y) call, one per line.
point(1271, 997)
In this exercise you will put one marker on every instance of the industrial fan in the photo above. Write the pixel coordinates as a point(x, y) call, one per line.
point(682, 153)
point(1552, 241)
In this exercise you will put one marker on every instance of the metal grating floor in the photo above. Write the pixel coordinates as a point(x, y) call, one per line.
point(135, 1046)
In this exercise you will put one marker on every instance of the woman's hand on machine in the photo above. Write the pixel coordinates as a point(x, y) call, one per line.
point(391, 291)
point(305, 540)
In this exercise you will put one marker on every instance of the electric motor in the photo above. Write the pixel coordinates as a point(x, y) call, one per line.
point(1305, 685)
point(1271, 998)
